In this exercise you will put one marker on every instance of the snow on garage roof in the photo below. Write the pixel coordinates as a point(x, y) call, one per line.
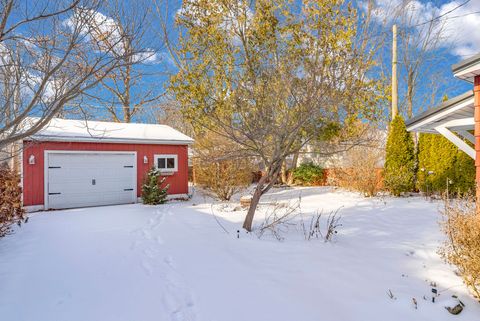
point(108, 132)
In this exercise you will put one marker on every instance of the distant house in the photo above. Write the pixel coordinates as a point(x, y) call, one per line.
point(342, 154)
point(74, 163)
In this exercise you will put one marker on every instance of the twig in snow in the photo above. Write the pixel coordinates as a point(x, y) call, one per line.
point(315, 230)
point(216, 219)
point(279, 219)
point(390, 295)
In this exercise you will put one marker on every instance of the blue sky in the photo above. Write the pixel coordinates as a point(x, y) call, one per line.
point(458, 21)
point(459, 41)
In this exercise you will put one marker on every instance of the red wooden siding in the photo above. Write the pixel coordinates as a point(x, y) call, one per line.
point(33, 181)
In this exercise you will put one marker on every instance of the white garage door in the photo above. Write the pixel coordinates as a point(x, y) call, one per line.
point(89, 179)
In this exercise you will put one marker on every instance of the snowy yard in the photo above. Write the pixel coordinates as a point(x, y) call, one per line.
point(175, 262)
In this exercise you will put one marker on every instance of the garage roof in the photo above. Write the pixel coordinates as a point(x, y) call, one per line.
point(108, 132)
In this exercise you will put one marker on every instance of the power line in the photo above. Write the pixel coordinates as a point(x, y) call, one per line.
point(442, 15)
point(387, 32)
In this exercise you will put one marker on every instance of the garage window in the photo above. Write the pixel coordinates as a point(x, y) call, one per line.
point(166, 162)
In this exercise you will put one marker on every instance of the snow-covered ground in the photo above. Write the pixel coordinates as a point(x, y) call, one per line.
point(175, 262)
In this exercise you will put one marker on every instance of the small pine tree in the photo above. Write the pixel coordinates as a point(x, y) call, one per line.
point(152, 191)
point(399, 173)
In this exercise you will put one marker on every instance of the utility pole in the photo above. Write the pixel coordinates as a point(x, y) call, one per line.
point(394, 74)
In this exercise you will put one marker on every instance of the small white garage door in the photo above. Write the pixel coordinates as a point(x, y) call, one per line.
point(89, 179)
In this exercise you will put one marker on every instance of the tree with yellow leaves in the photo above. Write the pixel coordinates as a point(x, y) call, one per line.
point(272, 75)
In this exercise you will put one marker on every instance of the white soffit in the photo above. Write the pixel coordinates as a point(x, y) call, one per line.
point(451, 111)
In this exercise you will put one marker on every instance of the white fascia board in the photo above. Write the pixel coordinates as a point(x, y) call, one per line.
point(461, 74)
point(456, 141)
point(440, 115)
point(41, 138)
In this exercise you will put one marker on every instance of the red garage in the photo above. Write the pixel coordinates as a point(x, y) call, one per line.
point(77, 163)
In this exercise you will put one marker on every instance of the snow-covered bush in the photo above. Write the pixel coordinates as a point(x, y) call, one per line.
point(461, 224)
point(11, 210)
point(153, 190)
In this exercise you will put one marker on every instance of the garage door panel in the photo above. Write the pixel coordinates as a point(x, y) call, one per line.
point(78, 179)
point(85, 199)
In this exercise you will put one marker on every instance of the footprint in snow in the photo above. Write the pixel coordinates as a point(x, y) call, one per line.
point(147, 234)
point(149, 253)
point(180, 306)
point(169, 261)
point(147, 267)
point(159, 240)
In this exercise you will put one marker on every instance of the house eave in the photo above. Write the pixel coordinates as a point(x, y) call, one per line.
point(467, 69)
point(76, 139)
point(465, 97)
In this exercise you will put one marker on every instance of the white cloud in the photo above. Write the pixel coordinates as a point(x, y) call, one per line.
point(459, 27)
point(96, 26)
point(148, 56)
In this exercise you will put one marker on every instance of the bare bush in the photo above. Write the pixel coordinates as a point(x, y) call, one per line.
point(461, 224)
point(279, 220)
point(218, 170)
point(361, 170)
point(11, 210)
point(314, 230)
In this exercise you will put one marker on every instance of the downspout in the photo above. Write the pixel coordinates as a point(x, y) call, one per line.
point(476, 91)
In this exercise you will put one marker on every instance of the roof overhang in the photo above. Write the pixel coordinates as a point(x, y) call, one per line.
point(89, 131)
point(467, 69)
point(44, 138)
point(454, 119)
point(453, 111)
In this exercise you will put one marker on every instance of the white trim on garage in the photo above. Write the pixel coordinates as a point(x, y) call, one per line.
point(45, 170)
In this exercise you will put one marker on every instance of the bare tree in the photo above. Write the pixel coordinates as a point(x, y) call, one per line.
point(169, 112)
point(419, 37)
point(49, 57)
point(131, 87)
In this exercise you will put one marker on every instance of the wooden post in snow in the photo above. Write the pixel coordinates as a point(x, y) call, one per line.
point(394, 74)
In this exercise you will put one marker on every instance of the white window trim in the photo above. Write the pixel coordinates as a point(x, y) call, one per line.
point(175, 157)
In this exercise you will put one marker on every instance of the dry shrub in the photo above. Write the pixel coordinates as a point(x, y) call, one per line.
point(361, 171)
point(11, 210)
point(218, 169)
point(279, 219)
point(461, 224)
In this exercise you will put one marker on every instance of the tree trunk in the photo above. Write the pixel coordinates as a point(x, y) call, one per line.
point(284, 172)
point(262, 188)
point(247, 224)
point(294, 165)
